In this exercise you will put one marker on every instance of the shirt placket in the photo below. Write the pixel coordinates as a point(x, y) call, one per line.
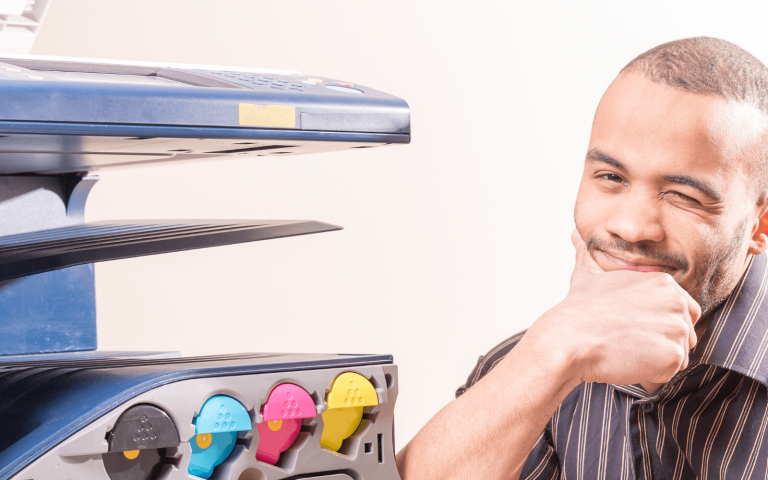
point(641, 458)
point(646, 462)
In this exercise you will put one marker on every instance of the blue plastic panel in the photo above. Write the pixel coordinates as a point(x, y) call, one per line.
point(85, 355)
point(52, 98)
point(49, 312)
point(69, 116)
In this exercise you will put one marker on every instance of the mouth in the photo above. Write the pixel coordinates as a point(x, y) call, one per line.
point(637, 264)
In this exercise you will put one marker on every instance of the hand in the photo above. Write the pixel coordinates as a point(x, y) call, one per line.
point(621, 327)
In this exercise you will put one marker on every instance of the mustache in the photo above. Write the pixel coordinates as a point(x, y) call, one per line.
point(618, 245)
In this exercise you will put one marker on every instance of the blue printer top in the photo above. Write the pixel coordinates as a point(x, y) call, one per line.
point(64, 115)
point(64, 119)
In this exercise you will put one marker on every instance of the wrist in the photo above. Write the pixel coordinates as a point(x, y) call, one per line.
point(557, 353)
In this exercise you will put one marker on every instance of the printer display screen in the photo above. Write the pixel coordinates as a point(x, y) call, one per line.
point(115, 78)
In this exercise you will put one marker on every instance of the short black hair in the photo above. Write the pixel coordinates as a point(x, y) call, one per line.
point(712, 66)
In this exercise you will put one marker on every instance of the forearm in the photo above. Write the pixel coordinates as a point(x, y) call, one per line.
point(489, 431)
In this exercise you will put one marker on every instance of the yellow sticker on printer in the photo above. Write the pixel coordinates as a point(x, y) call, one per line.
point(276, 116)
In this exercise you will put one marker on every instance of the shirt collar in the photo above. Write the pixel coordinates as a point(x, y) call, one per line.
point(737, 337)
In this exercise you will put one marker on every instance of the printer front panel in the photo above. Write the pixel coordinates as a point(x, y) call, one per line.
point(239, 428)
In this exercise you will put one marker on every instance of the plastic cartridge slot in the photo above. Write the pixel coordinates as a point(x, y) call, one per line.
point(138, 443)
point(216, 430)
point(283, 412)
point(349, 393)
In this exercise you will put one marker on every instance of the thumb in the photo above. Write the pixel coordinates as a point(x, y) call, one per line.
point(585, 264)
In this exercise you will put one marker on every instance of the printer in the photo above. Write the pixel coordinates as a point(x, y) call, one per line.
point(70, 411)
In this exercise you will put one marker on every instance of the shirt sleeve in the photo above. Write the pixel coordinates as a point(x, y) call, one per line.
point(486, 362)
point(542, 462)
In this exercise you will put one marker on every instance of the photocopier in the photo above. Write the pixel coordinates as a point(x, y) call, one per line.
point(71, 412)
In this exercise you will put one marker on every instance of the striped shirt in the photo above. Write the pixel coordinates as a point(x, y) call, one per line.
point(708, 422)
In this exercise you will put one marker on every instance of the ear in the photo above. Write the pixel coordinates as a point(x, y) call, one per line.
point(759, 241)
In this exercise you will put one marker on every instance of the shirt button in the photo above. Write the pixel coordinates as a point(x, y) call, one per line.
point(648, 407)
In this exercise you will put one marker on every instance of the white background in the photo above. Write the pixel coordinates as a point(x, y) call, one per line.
point(452, 243)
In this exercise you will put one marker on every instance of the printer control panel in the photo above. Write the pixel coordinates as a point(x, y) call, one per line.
point(286, 83)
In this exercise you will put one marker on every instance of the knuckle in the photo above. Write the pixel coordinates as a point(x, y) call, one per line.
point(680, 353)
point(696, 310)
point(681, 357)
point(676, 356)
point(677, 304)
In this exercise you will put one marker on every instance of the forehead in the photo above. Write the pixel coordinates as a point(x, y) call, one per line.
point(659, 130)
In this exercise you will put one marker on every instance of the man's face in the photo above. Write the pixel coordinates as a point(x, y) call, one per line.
point(665, 186)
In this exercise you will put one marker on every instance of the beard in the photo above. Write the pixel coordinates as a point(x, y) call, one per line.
point(716, 268)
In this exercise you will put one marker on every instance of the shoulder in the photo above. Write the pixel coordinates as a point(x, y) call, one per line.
point(486, 362)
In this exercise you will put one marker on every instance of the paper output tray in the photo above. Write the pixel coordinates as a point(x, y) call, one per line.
point(46, 250)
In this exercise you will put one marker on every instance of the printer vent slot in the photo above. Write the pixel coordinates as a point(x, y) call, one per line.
point(253, 149)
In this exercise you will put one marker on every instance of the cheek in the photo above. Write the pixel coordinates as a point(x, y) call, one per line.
point(712, 239)
point(591, 210)
point(708, 236)
point(718, 263)
point(707, 246)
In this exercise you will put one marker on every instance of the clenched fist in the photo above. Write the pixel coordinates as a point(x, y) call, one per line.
point(620, 327)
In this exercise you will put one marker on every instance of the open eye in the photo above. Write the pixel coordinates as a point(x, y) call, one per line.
point(611, 177)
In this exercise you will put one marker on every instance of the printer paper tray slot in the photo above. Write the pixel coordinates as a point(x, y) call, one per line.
point(45, 250)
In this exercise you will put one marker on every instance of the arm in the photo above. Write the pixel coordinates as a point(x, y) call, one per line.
point(488, 431)
point(605, 330)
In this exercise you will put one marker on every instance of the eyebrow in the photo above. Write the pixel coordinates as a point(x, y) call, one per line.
point(595, 155)
point(699, 185)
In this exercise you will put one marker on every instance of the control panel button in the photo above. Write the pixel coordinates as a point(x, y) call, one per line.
point(340, 88)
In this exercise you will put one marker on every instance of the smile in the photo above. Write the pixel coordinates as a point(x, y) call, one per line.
point(637, 264)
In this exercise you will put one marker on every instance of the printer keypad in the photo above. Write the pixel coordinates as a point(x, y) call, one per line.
point(255, 81)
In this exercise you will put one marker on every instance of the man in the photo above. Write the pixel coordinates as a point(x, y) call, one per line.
point(671, 225)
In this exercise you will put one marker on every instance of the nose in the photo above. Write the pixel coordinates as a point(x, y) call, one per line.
point(636, 218)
